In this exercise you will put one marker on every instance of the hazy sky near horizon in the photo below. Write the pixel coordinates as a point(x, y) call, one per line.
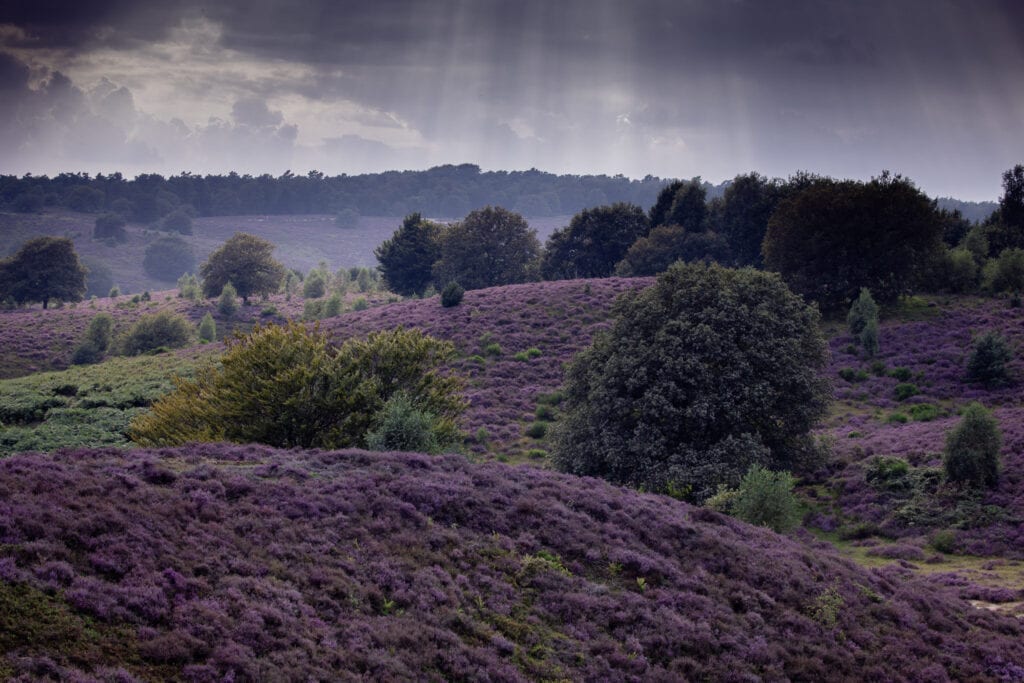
point(932, 89)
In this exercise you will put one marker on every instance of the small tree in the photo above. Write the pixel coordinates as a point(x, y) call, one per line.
point(489, 247)
point(110, 226)
point(314, 286)
point(188, 287)
point(1005, 273)
point(246, 262)
point(207, 329)
point(869, 338)
point(988, 361)
point(97, 340)
point(227, 303)
point(405, 260)
point(766, 498)
point(862, 311)
point(971, 457)
point(451, 295)
point(44, 268)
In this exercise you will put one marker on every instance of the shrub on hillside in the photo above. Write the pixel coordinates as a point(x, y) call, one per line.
point(405, 260)
point(207, 329)
point(96, 342)
point(988, 361)
point(188, 287)
point(314, 285)
point(154, 331)
point(869, 338)
point(971, 456)
point(401, 426)
point(862, 311)
point(703, 374)
point(451, 295)
point(766, 498)
point(227, 303)
point(288, 386)
point(1006, 272)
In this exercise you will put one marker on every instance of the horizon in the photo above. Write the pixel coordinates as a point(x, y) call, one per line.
point(927, 90)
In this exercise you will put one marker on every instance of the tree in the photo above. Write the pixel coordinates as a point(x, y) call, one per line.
point(110, 226)
point(971, 456)
point(834, 237)
point(168, 258)
point(489, 247)
point(665, 245)
point(741, 217)
point(702, 375)
point(862, 311)
point(1011, 205)
point(766, 498)
point(288, 386)
point(406, 259)
point(988, 361)
point(43, 268)
point(1005, 273)
point(246, 262)
point(314, 286)
point(681, 203)
point(593, 242)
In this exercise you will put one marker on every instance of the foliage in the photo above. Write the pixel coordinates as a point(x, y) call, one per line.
point(835, 237)
point(286, 386)
point(401, 426)
point(207, 329)
point(406, 259)
point(666, 244)
point(188, 287)
point(97, 341)
point(702, 375)
point(227, 302)
point(904, 390)
point(179, 221)
point(971, 456)
point(332, 306)
point(766, 498)
point(110, 226)
point(314, 286)
point(862, 310)
point(44, 268)
point(168, 258)
point(452, 294)
point(988, 361)
point(246, 262)
point(681, 203)
point(743, 213)
point(593, 242)
point(154, 331)
point(1005, 273)
point(99, 278)
point(869, 338)
point(489, 247)
point(954, 271)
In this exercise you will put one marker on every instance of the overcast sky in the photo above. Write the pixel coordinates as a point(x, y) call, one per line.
point(932, 89)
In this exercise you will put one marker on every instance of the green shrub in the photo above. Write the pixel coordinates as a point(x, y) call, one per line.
point(905, 391)
point(884, 472)
point(227, 304)
point(314, 286)
point(943, 541)
point(536, 454)
point(878, 368)
point(492, 349)
point(923, 412)
point(851, 375)
point(451, 295)
point(207, 329)
point(537, 430)
point(901, 374)
point(988, 361)
point(188, 287)
point(268, 311)
point(361, 304)
point(114, 292)
point(862, 311)
point(150, 332)
point(1005, 273)
point(401, 426)
point(101, 331)
point(544, 412)
point(897, 418)
point(313, 309)
point(869, 338)
point(766, 498)
point(971, 456)
point(333, 306)
point(86, 353)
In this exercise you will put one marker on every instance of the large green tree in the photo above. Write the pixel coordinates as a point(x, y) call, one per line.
point(835, 237)
point(702, 375)
point(683, 202)
point(44, 268)
point(406, 259)
point(742, 214)
point(247, 262)
point(593, 242)
point(489, 247)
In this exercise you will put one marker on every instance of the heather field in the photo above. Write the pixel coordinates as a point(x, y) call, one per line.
point(245, 563)
point(187, 564)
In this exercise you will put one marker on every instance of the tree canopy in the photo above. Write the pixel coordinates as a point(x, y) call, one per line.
point(702, 375)
point(593, 242)
point(168, 258)
point(406, 259)
point(246, 262)
point(834, 237)
point(44, 268)
point(489, 247)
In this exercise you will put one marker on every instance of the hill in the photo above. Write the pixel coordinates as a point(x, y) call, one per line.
point(249, 563)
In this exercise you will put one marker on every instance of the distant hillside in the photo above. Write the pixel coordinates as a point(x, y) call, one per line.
point(245, 563)
point(972, 211)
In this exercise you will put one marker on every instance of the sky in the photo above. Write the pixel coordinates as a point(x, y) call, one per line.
point(931, 89)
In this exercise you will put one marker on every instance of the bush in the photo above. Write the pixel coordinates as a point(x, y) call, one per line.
point(314, 286)
point(227, 304)
point(403, 427)
point(287, 386)
point(86, 353)
point(869, 338)
point(451, 295)
point(100, 331)
point(988, 361)
point(862, 311)
point(923, 412)
point(110, 226)
point(313, 309)
point(902, 374)
point(971, 456)
point(537, 430)
point(904, 391)
point(332, 306)
point(188, 287)
point(207, 329)
point(168, 258)
point(678, 393)
point(1005, 273)
point(151, 332)
point(766, 498)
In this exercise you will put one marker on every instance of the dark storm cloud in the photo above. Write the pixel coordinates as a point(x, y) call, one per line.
point(674, 87)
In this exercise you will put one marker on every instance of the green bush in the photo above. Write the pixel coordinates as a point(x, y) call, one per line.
point(851, 375)
point(314, 286)
point(332, 306)
point(188, 287)
point(537, 430)
point(905, 391)
point(401, 426)
point(901, 374)
point(313, 309)
point(207, 329)
point(361, 304)
point(227, 304)
point(897, 418)
point(862, 311)
point(869, 338)
point(943, 541)
point(1005, 273)
point(544, 412)
point(766, 498)
point(988, 361)
point(971, 456)
point(884, 472)
point(451, 295)
point(98, 337)
point(151, 332)
point(923, 412)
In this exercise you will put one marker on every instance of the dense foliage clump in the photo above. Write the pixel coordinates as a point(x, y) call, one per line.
point(971, 456)
point(406, 259)
point(489, 247)
point(156, 331)
point(44, 268)
point(452, 294)
point(246, 262)
point(287, 386)
point(593, 242)
point(766, 498)
point(989, 359)
point(707, 372)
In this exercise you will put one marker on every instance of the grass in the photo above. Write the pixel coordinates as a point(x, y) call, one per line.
point(85, 405)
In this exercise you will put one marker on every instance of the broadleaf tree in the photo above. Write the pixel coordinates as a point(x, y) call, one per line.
point(247, 262)
point(44, 268)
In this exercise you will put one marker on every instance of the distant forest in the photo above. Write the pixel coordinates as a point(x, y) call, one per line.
point(444, 192)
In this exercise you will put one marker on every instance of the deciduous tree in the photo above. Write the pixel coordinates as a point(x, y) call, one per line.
point(44, 268)
point(246, 262)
